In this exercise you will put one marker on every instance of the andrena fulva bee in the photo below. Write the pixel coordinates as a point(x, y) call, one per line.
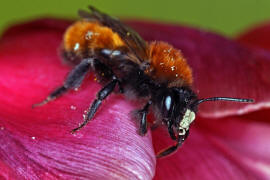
point(155, 72)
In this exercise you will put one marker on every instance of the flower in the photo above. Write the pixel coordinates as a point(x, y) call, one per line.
point(227, 141)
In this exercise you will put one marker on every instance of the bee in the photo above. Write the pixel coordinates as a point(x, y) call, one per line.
point(155, 72)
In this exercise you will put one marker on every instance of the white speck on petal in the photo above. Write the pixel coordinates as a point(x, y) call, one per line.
point(73, 107)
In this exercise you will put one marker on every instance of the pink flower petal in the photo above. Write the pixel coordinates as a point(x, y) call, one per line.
point(258, 36)
point(220, 66)
point(109, 146)
point(36, 143)
point(228, 148)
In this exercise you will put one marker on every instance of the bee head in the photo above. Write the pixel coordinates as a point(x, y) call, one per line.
point(177, 107)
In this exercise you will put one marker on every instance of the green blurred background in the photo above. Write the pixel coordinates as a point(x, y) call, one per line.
point(227, 17)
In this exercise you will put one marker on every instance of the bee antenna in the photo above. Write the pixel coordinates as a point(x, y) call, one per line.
point(199, 101)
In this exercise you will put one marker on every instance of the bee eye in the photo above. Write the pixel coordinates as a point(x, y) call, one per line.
point(167, 106)
point(168, 102)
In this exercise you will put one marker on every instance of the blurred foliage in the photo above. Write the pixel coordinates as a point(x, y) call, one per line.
point(227, 17)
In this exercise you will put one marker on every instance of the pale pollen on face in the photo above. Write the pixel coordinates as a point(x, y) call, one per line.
point(187, 119)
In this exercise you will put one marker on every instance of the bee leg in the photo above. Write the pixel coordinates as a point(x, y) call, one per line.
point(101, 95)
point(73, 80)
point(143, 120)
point(170, 150)
point(105, 73)
point(171, 131)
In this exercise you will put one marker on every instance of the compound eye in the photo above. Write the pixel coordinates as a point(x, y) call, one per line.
point(168, 103)
point(167, 106)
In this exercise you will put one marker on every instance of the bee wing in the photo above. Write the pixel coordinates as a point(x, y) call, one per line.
point(134, 42)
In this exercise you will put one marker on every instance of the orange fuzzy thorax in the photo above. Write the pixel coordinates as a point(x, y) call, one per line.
point(167, 64)
point(85, 35)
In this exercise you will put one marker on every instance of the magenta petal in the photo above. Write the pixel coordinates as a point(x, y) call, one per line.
point(230, 148)
point(36, 143)
point(258, 36)
point(221, 67)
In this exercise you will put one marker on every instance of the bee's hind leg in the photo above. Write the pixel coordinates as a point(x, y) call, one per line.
point(73, 80)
